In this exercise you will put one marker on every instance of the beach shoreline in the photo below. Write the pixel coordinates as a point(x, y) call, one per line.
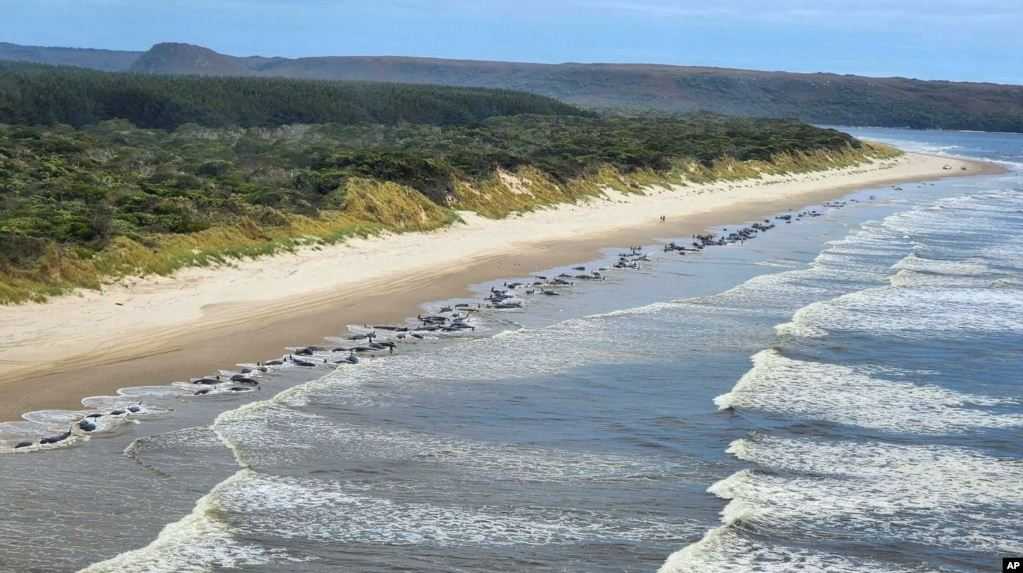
point(157, 330)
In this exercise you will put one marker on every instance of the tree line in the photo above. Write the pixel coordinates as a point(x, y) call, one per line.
point(32, 94)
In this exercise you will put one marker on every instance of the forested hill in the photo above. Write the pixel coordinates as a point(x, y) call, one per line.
point(36, 94)
point(820, 98)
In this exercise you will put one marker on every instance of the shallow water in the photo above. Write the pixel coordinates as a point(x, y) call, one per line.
point(840, 394)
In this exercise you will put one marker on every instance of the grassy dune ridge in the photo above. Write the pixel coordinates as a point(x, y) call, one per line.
point(85, 207)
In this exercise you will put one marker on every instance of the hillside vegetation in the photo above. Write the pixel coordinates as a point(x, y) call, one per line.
point(820, 98)
point(81, 206)
point(105, 60)
point(35, 94)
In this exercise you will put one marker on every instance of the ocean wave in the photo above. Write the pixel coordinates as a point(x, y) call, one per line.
point(915, 279)
point(274, 436)
point(326, 511)
point(912, 312)
point(859, 261)
point(966, 268)
point(199, 542)
point(725, 550)
point(957, 476)
point(654, 308)
point(935, 496)
point(844, 395)
point(938, 496)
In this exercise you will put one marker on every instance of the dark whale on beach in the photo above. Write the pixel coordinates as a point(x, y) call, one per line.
point(55, 439)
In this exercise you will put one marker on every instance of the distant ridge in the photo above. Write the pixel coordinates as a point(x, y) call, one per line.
point(818, 98)
point(104, 60)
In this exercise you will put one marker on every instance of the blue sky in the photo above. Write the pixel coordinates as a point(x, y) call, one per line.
point(979, 40)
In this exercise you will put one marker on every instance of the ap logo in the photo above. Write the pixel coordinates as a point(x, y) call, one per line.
point(1012, 565)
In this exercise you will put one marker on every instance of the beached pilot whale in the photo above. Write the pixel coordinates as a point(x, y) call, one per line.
point(55, 439)
point(352, 359)
point(241, 379)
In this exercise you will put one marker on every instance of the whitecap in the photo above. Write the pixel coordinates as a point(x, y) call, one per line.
point(846, 395)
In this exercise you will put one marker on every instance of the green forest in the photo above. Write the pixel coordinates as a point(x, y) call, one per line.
point(84, 200)
point(45, 95)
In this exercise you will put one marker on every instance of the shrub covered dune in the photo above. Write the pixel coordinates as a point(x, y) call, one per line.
point(88, 204)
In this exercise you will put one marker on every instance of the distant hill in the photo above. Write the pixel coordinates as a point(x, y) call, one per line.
point(174, 58)
point(35, 94)
point(819, 98)
point(105, 60)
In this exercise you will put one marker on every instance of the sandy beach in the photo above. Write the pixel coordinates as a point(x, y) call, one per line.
point(156, 330)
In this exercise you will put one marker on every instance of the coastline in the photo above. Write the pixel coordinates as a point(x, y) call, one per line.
point(156, 330)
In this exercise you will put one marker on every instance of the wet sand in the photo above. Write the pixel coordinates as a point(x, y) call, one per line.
point(159, 337)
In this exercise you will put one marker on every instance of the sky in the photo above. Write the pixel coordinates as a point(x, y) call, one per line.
point(976, 40)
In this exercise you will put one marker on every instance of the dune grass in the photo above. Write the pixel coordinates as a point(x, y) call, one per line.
point(372, 208)
point(527, 189)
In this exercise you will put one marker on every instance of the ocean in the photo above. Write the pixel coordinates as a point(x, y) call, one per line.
point(842, 394)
